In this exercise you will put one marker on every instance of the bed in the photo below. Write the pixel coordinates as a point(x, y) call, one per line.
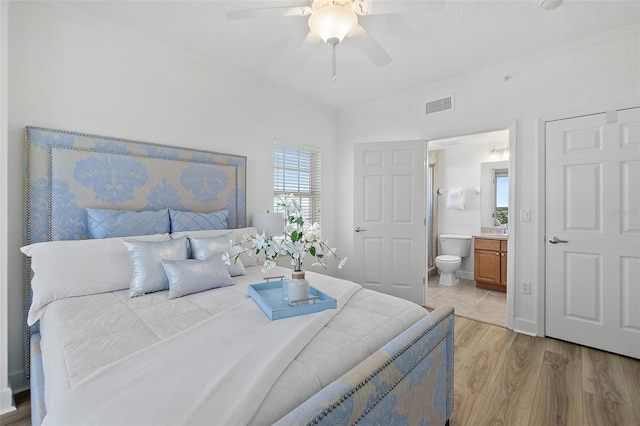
point(107, 345)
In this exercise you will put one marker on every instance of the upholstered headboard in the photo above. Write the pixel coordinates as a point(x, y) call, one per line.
point(67, 172)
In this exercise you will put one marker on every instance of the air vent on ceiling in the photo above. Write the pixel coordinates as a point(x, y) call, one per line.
point(440, 105)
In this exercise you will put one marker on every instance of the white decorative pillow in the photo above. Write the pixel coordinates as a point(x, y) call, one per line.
point(248, 259)
point(78, 267)
point(146, 262)
point(202, 234)
point(193, 276)
point(204, 248)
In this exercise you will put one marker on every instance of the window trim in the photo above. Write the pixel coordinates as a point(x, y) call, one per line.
point(309, 162)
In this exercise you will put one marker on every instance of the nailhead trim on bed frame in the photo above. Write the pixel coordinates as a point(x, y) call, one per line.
point(240, 219)
point(327, 411)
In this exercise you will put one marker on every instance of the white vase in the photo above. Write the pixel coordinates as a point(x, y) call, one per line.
point(298, 288)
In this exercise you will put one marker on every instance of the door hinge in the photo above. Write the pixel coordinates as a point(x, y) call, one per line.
point(424, 281)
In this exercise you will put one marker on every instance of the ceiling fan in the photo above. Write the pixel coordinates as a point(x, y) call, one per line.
point(333, 20)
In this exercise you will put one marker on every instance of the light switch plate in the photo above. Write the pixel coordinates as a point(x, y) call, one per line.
point(525, 215)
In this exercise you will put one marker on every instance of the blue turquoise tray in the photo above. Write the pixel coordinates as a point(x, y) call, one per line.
point(269, 297)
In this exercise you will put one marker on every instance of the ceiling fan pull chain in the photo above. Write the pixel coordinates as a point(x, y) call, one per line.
point(333, 62)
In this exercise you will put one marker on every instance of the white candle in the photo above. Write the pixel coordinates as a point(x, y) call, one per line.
point(298, 290)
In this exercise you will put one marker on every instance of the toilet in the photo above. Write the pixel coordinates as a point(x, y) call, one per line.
point(454, 248)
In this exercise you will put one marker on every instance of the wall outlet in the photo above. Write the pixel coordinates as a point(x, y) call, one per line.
point(525, 287)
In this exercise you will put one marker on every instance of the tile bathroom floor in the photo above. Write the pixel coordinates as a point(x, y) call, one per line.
point(469, 301)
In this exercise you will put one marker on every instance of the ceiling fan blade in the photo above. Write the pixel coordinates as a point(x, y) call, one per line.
point(380, 7)
point(269, 12)
point(304, 51)
point(369, 46)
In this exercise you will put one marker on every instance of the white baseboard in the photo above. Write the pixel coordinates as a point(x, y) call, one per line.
point(465, 275)
point(6, 400)
point(19, 383)
point(527, 327)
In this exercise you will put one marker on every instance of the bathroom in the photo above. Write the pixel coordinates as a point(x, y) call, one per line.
point(467, 196)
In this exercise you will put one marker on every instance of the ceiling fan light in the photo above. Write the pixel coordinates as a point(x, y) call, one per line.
point(333, 22)
point(549, 4)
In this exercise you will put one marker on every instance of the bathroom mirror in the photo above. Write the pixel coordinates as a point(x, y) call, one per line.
point(495, 193)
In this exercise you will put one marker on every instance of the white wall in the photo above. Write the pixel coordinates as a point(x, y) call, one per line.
point(596, 72)
point(460, 168)
point(71, 73)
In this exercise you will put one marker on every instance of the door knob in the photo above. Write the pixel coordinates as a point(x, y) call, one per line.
point(556, 240)
point(358, 229)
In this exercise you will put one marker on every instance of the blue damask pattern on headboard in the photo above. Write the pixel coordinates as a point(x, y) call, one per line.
point(67, 172)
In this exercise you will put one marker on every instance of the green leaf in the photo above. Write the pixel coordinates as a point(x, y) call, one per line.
point(312, 251)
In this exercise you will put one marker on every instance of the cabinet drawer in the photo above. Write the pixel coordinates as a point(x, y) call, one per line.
point(486, 244)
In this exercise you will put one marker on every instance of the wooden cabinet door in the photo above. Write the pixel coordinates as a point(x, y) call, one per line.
point(487, 266)
point(503, 268)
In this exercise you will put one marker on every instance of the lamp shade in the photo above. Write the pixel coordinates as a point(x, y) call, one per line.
point(271, 224)
point(333, 23)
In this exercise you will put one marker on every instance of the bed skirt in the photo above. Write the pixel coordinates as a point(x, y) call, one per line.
point(36, 381)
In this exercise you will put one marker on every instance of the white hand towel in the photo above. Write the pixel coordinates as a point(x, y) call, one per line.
point(455, 199)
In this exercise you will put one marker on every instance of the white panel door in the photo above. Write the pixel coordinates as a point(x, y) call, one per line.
point(593, 209)
point(389, 218)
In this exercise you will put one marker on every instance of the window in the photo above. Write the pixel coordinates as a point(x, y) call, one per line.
point(502, 196)
point(297, 172)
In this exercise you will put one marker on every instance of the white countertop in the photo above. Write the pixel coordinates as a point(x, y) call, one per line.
point(492, 236)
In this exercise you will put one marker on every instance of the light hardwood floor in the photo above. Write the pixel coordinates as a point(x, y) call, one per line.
point(505, 378)
point(22, 415)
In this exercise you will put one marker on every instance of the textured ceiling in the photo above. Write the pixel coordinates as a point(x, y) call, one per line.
point(426, 47)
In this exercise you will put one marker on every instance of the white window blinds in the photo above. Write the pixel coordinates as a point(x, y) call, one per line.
point(297, 172)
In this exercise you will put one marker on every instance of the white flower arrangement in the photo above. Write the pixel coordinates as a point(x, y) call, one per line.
point(299, 239)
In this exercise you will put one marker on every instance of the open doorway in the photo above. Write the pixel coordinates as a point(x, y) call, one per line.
point(469, 181)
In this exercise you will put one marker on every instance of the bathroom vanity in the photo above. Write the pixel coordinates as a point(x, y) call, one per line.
point(490, 262)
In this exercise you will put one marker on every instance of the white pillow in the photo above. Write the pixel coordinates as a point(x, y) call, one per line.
point(78, 267)
point(207, 233)
point(146, 259)
point(248, 259)
point(204, 248)
point(193, 276)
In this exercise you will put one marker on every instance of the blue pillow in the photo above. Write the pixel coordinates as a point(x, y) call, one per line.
point(204, 248)
point(193, 276)
point(103, 223)
point(146, 258)
point(190, 221)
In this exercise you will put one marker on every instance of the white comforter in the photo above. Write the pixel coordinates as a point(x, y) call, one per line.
point(216, 372)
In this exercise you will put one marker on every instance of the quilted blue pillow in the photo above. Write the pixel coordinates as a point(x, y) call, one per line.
point(104, 223)
point(190, 221)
